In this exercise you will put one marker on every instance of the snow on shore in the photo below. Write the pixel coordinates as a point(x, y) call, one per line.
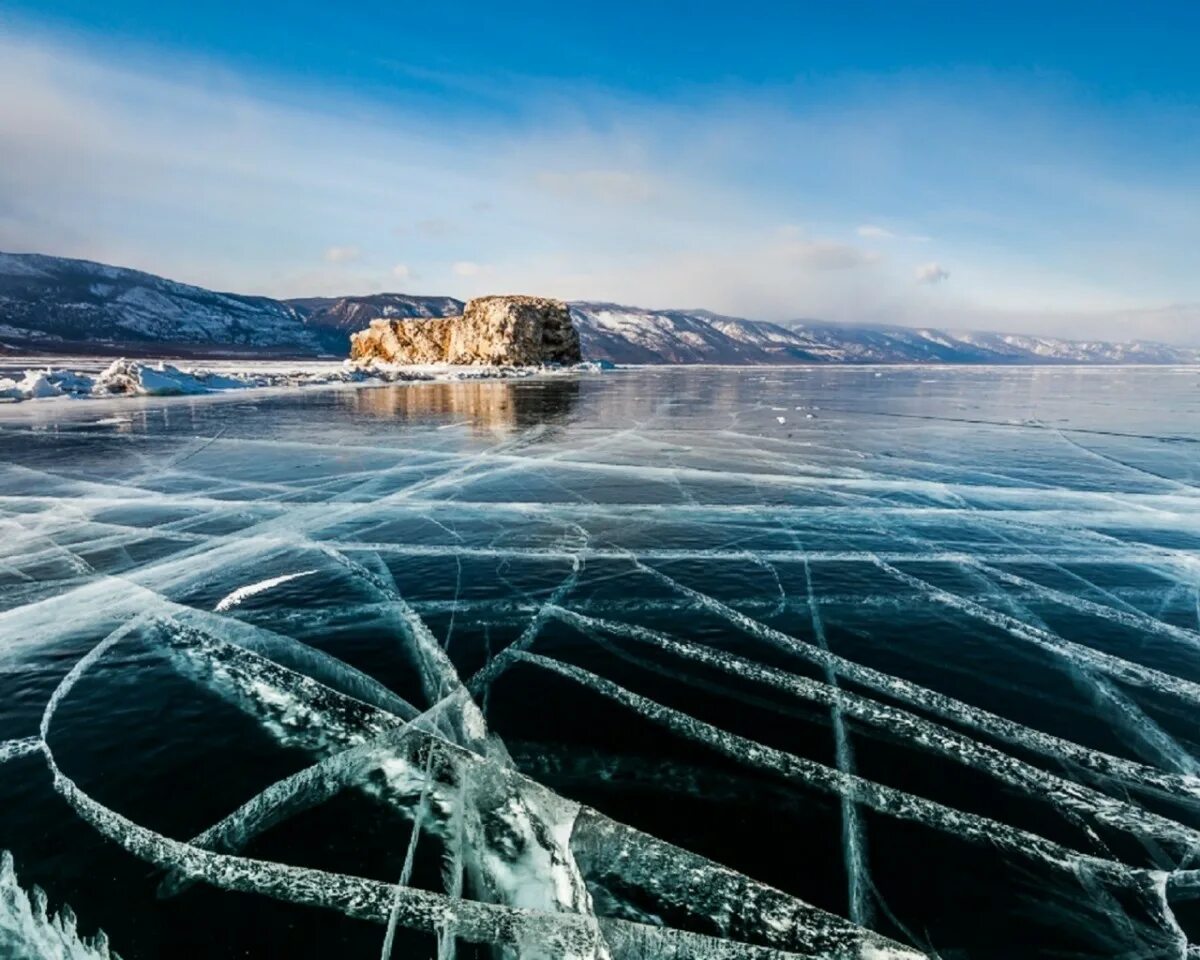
point(131, 378)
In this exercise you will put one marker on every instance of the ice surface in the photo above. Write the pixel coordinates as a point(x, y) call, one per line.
point(802, 661)
point(853, 828)
point(1075, 800)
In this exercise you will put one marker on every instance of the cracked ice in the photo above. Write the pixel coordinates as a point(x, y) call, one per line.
point(609, 668)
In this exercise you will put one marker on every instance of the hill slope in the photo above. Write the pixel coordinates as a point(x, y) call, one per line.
point(633, 335)
point(55, 304)
point(350, 314)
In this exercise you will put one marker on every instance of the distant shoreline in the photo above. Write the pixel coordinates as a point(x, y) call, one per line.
point(58, 307)
point(83, 352)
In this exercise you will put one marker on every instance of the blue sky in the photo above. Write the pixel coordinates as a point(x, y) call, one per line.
point(1033, 167)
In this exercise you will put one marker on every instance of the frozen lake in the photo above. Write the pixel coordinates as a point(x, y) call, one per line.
point(834, 662)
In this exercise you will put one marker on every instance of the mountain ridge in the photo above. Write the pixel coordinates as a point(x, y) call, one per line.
point(60, 305)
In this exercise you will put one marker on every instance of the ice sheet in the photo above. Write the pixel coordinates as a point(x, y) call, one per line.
point(995, 648)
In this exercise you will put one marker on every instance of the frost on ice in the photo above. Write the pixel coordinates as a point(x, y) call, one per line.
point(673, 610)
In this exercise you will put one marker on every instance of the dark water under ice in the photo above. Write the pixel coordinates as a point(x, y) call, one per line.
point(917, 647)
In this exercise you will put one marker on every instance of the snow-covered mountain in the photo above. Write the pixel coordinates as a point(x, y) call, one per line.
point(52, 304)
point(350, 314)
point(633, 335)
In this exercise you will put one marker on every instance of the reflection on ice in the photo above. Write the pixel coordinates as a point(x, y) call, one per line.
point(617, 673)
point(483, 407)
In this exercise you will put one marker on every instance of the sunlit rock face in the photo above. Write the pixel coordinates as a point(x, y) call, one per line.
point(403, 341)
point(499, 331)
point(514, 330)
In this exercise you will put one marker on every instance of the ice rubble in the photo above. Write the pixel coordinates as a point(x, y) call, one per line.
point(130, 378)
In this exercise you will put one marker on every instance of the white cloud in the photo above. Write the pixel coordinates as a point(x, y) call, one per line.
point(342, 254)
point(466, 268)
point(401, 272)
point(932, 273)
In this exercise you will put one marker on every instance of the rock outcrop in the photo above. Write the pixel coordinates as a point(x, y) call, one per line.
point(513, 331)
point(403, 341)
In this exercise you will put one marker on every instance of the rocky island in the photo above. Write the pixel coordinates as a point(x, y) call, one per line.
point(513, 331)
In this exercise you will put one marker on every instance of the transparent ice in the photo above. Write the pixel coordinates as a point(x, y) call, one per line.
point(966, 616)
